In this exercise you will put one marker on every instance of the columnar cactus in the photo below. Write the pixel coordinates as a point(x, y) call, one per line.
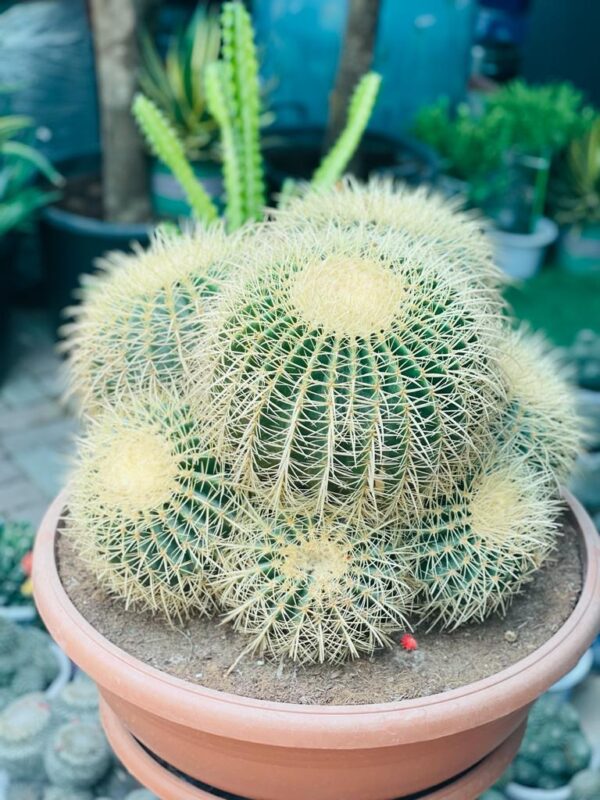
point(137, 312)
point(145, 504)
point(78, 755)
point(25, 726)
point(357, 441)
point(313, 590)
point(352, 369)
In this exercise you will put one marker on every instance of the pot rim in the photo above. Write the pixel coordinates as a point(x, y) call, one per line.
point(316, 726)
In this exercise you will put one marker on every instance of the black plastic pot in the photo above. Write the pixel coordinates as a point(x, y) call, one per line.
point(296, 153)
point(71, 242)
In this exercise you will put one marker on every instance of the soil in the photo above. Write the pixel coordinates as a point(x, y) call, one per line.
point(202, 651)
point(82, 194)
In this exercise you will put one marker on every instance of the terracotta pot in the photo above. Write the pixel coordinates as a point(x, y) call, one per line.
point(169, 786)
point(273, 750)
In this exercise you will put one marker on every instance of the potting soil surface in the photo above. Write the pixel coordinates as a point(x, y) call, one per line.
point(202, 651)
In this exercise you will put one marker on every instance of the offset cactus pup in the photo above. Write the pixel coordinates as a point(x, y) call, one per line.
point(324, 429)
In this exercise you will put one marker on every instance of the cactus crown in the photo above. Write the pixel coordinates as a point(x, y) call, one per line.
point(353, 440)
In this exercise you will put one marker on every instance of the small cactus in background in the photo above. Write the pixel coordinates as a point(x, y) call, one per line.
point(25, 790)
point(16, 540)
point(554, 748)
point(27, 660)
point(146, 502)
point(78, 700)
point(341, 373)
point(78, 755)
point(540, 417)
point(313, 590)
point(59, 793)
point(474, 548)
point(141, 794)
point(139, 310)
point(24, 730)
point(586, 785)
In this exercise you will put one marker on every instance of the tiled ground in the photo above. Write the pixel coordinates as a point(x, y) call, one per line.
point(36, 429)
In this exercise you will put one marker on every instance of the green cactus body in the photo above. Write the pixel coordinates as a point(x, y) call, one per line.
point(427, 218)
point(312, 590)
point(24, 729)
point(540, 417)
point(141, 794)
point(349, 371)
point(77, 756)
point(128, 332)
point(78, 700)
point(117, 784)
point(13, 654)
point(473, 548)
point(146, 501)
point(6, 697)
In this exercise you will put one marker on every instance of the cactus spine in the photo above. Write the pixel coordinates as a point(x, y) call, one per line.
point(129, 331)
point(313, 590)
point(146, 501)
point(349, 371)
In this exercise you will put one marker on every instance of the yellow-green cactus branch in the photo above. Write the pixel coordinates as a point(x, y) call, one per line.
point(360, 108)
point(166, 145)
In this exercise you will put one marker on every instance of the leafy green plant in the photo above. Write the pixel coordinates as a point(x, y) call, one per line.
point(176, 84)
point(233, 98)
point(575, 188)
point(19, 163)
point(16, 540)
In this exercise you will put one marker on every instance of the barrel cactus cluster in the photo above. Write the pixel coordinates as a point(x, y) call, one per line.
point(55, 749)
point(28, 661)
point(324, 427)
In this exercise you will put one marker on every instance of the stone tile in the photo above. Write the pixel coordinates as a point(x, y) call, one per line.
point(21, 389)
point(36, 415)
point(56, 434)
point(17, 495)
point(45, 466)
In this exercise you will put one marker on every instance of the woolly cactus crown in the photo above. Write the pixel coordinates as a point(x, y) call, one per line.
point(341, 436)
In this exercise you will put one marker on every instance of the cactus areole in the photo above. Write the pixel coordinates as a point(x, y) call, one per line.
point(323, 431)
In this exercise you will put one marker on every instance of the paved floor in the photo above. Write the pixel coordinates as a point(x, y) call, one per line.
point(36, 429)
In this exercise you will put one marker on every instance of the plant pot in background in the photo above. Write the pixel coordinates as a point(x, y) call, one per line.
point(273, 749)
point(564, 687)
point(515, 791)
point(579, 249)
point(168, 198)
point(296, 153)
point(73, 235)
point(521, 255)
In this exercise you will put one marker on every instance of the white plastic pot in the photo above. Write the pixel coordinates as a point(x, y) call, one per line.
point(573, 678)
point(21, 615)
point(65, 670)
point(515, 791)
point(520, 255)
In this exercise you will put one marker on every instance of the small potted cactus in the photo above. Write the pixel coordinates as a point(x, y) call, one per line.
point(319, 468)
point(16, 542)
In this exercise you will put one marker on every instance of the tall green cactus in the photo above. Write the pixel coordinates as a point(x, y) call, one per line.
point(360, 109)
point(165, 144)
point(342, 372)
point(146, 502)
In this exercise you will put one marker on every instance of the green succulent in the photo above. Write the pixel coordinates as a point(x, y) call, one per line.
point(16, 540)
point(25, 726)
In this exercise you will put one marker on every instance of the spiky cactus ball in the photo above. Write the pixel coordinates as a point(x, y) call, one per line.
point(353, 369)
point(136, 312)
point(541, 414)
point(473, 549)
point(77, 756)
point(313, 590)
point(457, 236)
point(146, 499)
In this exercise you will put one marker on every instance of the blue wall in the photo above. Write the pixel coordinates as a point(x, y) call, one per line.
point(423, 51)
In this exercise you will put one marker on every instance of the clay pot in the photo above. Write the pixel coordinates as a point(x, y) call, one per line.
point(253, 748)
point(173, 787)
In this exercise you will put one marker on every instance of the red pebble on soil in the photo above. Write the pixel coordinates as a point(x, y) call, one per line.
point(408, 641)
